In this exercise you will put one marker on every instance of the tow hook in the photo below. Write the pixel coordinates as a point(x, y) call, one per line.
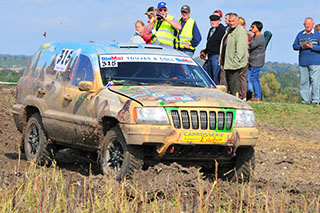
point(172, 149)
point(230, 150)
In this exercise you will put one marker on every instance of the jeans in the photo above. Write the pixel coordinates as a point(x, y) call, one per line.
point(214, 68)
point(249, 83)
point(255, 81)
point(310, 76)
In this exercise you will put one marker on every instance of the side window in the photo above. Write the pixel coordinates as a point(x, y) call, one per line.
point(83, 71)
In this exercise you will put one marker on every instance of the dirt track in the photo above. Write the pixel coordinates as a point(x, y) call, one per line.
point(284, 163)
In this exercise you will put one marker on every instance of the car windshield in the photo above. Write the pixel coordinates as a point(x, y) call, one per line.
point(145, 73)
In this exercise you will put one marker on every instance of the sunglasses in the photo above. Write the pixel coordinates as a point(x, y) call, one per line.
point(163, 9)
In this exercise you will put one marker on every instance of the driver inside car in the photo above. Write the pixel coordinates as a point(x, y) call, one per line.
point(164, 71)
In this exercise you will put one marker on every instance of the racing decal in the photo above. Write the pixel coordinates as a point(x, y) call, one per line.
point(110, 83)
point(158, 94)
point(110, 63)
point(63, 60)
point(215, 137)
point(113, 60)
point(178, 98)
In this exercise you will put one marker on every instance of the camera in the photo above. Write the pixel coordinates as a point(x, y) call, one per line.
point(159, 17)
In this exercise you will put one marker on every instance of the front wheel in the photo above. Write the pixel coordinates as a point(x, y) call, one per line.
point(116, 157)
point(36, 145)
point(244, 165)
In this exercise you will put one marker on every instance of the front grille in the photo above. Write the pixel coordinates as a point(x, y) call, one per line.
point(213, 120)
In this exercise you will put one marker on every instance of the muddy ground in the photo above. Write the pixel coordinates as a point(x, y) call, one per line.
point(285, 162)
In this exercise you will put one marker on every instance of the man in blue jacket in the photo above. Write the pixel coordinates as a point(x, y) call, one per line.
point(307, 43)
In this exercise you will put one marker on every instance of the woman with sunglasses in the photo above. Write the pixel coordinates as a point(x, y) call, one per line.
point(256, 60)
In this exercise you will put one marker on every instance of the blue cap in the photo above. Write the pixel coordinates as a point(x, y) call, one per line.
point(162, 4)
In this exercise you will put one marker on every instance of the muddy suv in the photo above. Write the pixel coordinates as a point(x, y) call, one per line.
point(135, 105)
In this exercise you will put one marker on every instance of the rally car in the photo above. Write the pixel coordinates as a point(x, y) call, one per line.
point(135, 105)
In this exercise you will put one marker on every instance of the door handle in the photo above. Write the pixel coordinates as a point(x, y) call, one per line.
point(67, 97)
point(41, 91)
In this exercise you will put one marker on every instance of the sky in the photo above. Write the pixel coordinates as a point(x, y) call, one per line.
point(23, 22)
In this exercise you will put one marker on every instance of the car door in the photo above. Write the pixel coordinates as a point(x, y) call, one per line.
point(79, 105)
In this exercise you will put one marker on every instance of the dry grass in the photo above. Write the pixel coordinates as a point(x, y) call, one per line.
point(41, 189)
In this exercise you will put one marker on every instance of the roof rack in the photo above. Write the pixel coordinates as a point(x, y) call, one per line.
point(153, 47)
point(128, 46)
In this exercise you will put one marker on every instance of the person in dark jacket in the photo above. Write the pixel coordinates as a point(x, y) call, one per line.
point(214, 37)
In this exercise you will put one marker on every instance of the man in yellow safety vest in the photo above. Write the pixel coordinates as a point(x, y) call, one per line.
point(165, 27)
point(189, 36)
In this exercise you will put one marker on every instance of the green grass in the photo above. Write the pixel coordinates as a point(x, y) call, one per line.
point(298, 119)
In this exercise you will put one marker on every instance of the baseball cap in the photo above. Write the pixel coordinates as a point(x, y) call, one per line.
point(214, 18)
point(185, 8)
point(149, 10)
point(162, 4)
point(218, 11)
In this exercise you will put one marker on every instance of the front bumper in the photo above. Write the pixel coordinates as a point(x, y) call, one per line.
point(166, 136)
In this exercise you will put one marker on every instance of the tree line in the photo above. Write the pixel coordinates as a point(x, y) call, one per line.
point(13, 61)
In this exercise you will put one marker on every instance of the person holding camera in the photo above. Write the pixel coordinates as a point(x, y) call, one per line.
point(189, 36)
point(165, 25)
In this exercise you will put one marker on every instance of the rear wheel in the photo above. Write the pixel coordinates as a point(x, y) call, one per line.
point(244, 165)
point(116, 157)
point(36, 145)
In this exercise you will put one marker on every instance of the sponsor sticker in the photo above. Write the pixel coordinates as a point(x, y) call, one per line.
point(158, 94)
point(63, 60)
point(179, 98)
point(113, 60)
point(205, 137)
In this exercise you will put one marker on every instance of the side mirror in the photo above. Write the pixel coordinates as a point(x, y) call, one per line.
point(222, 88)
point(85, 86)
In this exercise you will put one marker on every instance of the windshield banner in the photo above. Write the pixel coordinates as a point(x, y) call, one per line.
point(113, 60)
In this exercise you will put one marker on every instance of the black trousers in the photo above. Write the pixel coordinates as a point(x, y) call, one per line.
point(233, 81)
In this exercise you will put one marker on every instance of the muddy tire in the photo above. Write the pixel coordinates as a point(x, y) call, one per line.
point(36, 145)
point(116, 158)
point(243, 166)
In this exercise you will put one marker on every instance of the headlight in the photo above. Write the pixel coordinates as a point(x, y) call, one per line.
point(151, 115)
point(244, 118)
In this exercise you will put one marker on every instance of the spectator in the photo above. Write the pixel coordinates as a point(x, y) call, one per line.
point(317, 27)
point(233, 54)
point(165, 27)
point(219, 13)
point(244, 71)
point(226, 19)
point(307, 43)
point(189, 36)
point(203, 56)
point(256, 59)
point(214, 37)
point(137, 37)
point(151, 11)
point(147, 36)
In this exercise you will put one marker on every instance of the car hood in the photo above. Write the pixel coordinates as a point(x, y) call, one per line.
point(169, 96)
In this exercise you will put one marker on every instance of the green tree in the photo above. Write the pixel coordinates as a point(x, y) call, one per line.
point(271, 88)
